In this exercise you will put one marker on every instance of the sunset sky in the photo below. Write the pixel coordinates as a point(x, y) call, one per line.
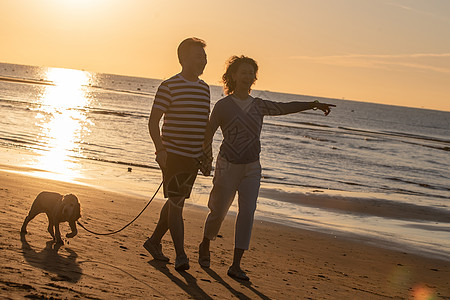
point(385, 51)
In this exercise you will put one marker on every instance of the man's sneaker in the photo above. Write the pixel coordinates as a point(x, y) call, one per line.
point(155, 250)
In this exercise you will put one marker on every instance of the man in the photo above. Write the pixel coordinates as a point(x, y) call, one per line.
point(184, 100)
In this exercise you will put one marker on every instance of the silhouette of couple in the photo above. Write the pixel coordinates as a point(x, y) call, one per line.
point(183, 147)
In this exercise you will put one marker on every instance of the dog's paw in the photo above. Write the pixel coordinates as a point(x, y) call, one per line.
point(71, 234)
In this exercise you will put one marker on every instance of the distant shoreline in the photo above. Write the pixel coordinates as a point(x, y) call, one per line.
point(261, 91)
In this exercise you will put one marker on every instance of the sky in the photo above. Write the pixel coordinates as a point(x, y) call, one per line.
point(393, 52)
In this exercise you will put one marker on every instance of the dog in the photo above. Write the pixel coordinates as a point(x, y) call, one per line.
point(59, 209)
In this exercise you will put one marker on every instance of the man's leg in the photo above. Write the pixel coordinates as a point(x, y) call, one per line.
point(153, 244)
point(162, 226)
point(176, 224)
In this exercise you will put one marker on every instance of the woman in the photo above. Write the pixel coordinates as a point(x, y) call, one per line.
point(240, 117)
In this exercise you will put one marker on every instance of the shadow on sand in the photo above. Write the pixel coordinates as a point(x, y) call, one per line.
point(65, 268)
point(239, 295)
point(190, 286)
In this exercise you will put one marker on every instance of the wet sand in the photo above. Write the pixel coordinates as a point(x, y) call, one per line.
point(282, 263)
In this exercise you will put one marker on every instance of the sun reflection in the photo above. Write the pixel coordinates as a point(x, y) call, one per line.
point(68, 90)
point(63, 122)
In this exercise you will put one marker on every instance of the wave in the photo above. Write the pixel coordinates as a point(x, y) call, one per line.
point(15, 103)
point(341, 184)
point(294, 124)
point(26, 80)
point(416, 136)
point(429, 227)
point(27, 105)
point(125, 163)
point(424, 185)
point(116, 113)
point(444, 148)
point(16, 141)
point(409, 138)
point(51, 83)
point(361, 206)
point(121, 91)
point(397, 134)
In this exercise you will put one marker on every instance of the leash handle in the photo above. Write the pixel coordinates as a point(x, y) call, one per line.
point(114, 232)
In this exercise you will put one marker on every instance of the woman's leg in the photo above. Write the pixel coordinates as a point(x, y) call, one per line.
point(248, 194)
point(220, 200)
point(226, 180)
point(235, 270)
point(237, 256)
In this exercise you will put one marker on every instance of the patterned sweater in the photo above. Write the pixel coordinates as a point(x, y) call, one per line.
point(242, 130)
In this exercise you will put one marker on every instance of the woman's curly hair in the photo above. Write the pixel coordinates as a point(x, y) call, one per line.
point(232, 66)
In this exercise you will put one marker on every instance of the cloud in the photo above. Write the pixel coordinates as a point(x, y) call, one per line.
point(418, 11)
point(436, 62)
point(403, 7)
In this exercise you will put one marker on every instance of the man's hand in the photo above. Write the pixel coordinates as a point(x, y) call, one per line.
point(205, 164)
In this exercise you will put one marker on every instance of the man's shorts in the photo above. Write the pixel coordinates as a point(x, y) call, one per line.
point(179, 175)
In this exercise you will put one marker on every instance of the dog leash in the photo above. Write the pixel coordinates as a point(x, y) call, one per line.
point(109, 233)
point(203, 168)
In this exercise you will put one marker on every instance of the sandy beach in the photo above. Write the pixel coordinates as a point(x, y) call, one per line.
point(283, 262)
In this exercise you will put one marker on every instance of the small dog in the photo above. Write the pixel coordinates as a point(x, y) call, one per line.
point(59, 209)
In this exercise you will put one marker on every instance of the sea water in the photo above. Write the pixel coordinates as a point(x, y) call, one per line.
point(380, 172)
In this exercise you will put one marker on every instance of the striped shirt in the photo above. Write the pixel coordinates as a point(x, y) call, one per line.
point(186, 107)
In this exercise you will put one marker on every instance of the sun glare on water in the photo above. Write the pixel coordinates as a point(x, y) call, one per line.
point(63, 122)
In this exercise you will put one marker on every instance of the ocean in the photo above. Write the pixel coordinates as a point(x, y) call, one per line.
point(377, 173)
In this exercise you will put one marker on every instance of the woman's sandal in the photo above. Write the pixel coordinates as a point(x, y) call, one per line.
point(204, 261)
point(182, 263)
point(237, 274)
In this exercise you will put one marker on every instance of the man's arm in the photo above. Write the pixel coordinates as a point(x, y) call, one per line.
point(207, 157)
point(211, 128)
point(155, 134)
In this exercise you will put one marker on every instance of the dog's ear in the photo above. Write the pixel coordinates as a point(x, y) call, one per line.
point(69, 197)
point(76, 211)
